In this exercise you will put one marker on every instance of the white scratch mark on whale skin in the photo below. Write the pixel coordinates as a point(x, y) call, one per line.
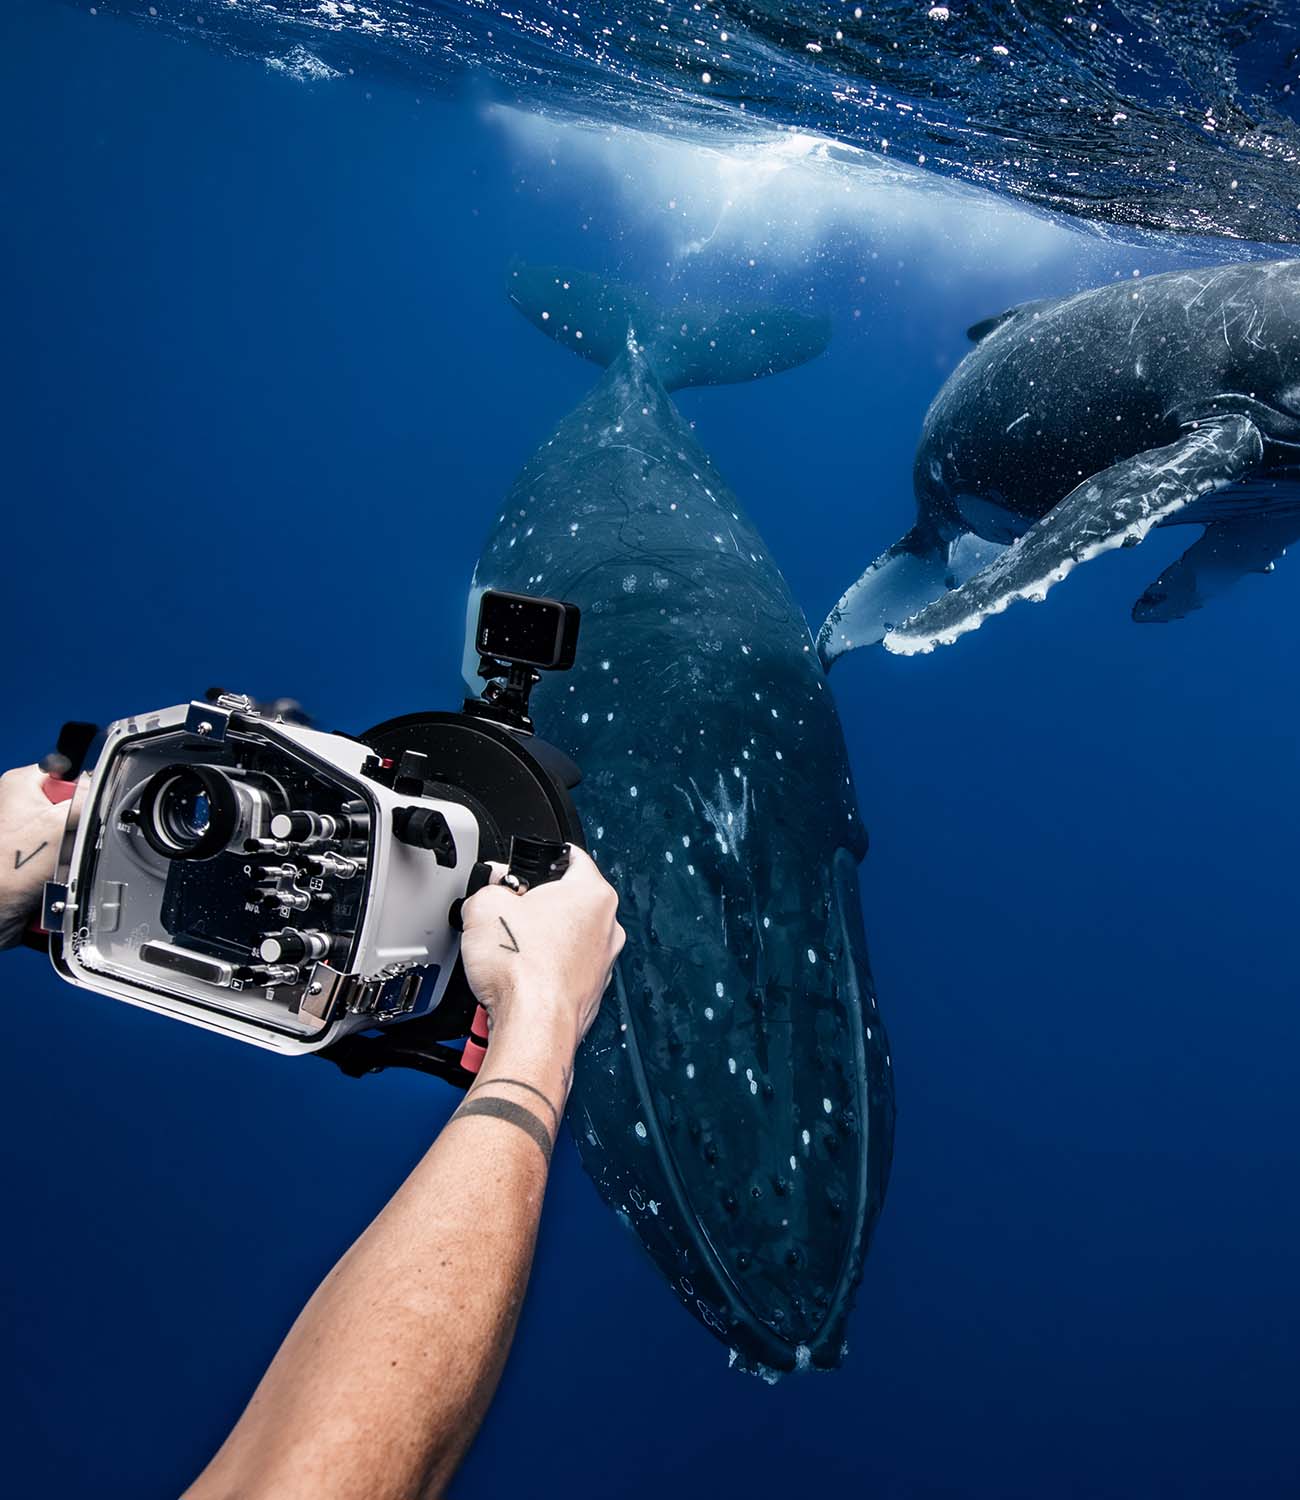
point(726, 813)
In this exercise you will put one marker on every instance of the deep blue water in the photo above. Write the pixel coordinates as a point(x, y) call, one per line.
point(257, 342)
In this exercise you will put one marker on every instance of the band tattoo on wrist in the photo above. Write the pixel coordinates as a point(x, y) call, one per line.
point(495, 1108)
point(512, 946)
point(519, 1083)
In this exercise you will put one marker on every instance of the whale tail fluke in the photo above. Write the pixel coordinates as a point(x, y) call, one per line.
point(690, 344)
point(914, 572)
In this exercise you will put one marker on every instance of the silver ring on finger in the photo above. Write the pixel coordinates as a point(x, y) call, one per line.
point(514, 883)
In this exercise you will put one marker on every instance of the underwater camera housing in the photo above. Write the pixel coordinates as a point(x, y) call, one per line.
point(301, 890)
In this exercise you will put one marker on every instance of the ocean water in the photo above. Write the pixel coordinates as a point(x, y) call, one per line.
point(259, 351)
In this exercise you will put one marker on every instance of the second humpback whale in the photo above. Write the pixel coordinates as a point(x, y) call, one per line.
point(1078, 424)
point(734, 1099)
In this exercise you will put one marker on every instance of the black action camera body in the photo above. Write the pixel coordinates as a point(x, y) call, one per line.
point(541, 633)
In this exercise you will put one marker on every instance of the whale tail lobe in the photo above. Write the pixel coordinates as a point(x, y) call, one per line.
point(688, 344)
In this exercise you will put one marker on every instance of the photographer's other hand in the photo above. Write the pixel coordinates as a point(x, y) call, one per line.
point(540, 962)
point(31, 830)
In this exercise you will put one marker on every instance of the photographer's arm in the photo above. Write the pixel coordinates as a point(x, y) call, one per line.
point(383, 1380)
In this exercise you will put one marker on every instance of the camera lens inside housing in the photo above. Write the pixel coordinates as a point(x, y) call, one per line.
point(189, 812)
point(186, 810)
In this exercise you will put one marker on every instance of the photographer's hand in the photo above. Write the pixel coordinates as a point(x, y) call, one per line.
point(543, 960)
point(383, 1380)
point(31, 829)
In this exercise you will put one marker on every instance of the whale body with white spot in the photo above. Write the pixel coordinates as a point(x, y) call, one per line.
point(734, 1099)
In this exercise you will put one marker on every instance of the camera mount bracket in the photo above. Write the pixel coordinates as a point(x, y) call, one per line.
point(209, 721)
point(505, 702)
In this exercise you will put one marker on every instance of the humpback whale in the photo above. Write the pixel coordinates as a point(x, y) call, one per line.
point(1078, 424)
point(733, 1101)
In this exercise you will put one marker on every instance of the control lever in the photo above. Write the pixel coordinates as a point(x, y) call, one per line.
point(532, 862)
point(537, 861)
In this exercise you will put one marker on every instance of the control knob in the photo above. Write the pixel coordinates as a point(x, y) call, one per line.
point(291, 946)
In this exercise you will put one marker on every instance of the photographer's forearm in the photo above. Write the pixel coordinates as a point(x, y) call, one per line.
point(383, 1380)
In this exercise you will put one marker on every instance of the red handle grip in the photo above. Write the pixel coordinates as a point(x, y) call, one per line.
point(471, 1059)
point(58, 791)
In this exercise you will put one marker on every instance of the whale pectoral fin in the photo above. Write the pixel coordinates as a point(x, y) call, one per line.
point(1114, 508)
point(899, 583)
point(971, 554)
point(986, 326)
point(1212, 564)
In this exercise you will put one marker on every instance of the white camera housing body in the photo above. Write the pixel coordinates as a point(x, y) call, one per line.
point(259, 878)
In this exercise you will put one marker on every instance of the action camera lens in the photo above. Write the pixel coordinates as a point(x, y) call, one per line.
point(189, 812)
